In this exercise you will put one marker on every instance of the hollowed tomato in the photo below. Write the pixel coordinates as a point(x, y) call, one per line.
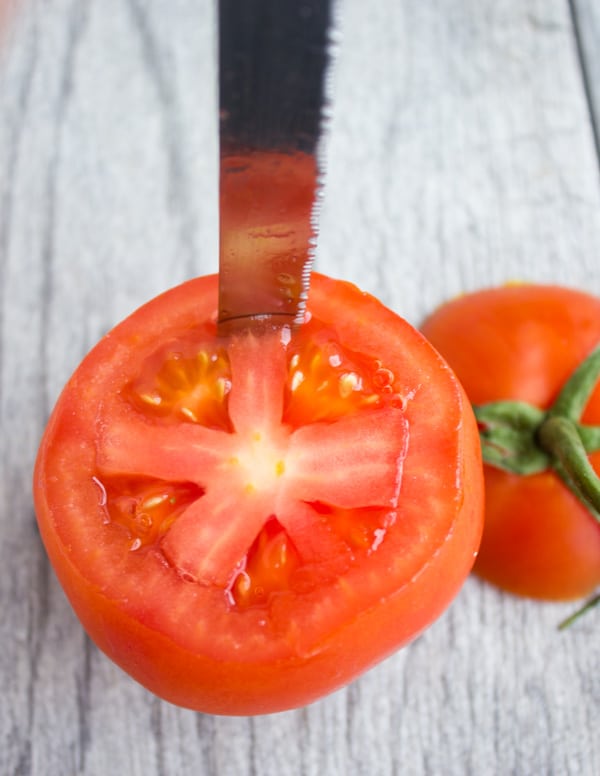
point(247, 523)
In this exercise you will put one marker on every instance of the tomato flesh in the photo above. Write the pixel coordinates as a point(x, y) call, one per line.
point(279, 509)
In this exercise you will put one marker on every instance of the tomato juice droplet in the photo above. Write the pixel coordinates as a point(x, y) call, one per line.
point(143, 522)
point(383, 378)
point(286, 279)
point(102, 489)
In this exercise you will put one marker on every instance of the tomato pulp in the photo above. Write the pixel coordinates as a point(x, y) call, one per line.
point(247, 523)
point(523, 342)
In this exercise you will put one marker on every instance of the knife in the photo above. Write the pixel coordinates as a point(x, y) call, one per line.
point(274, 57)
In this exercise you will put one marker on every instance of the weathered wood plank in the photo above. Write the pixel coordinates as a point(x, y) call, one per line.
point(462, 155)
point(471, 151)
point(586, 19)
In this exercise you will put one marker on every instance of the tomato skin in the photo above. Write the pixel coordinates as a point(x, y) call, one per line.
point(523, 342)
point(213, 686)
point(201, 671)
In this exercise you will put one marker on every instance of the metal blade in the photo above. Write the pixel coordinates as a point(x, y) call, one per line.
point(273, 60)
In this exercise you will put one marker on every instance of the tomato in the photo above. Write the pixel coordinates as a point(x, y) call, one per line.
point(247, 523)
point(523, 342)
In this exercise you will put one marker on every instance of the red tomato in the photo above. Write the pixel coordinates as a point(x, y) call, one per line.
point(246, 524)
point(523, 342)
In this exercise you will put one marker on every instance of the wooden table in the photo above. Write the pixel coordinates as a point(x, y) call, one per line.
point(464, 153)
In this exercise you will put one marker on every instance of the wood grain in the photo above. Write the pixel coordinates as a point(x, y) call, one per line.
point(586, 21)
point(462, 154)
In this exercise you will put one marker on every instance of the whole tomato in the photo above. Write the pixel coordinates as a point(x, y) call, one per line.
point(526, 357)
point(247, 522)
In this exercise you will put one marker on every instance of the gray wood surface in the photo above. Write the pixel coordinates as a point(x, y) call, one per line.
point(586, 19)
point(462, 154)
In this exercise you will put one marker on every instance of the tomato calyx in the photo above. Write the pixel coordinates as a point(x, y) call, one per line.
point(508, 431)
point(523, 439)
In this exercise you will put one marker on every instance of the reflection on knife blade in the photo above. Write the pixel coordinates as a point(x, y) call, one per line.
point(273, 57)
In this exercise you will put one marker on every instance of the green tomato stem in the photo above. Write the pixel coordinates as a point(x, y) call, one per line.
point(590, 437)
point(558, 436)
point(578, 389)
point(581, 611)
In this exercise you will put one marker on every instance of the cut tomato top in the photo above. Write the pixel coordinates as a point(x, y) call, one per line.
point(248, 497)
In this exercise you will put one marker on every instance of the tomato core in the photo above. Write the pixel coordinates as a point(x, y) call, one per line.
point(261, 450)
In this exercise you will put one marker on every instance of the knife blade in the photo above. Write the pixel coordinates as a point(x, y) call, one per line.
point(274, 57)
